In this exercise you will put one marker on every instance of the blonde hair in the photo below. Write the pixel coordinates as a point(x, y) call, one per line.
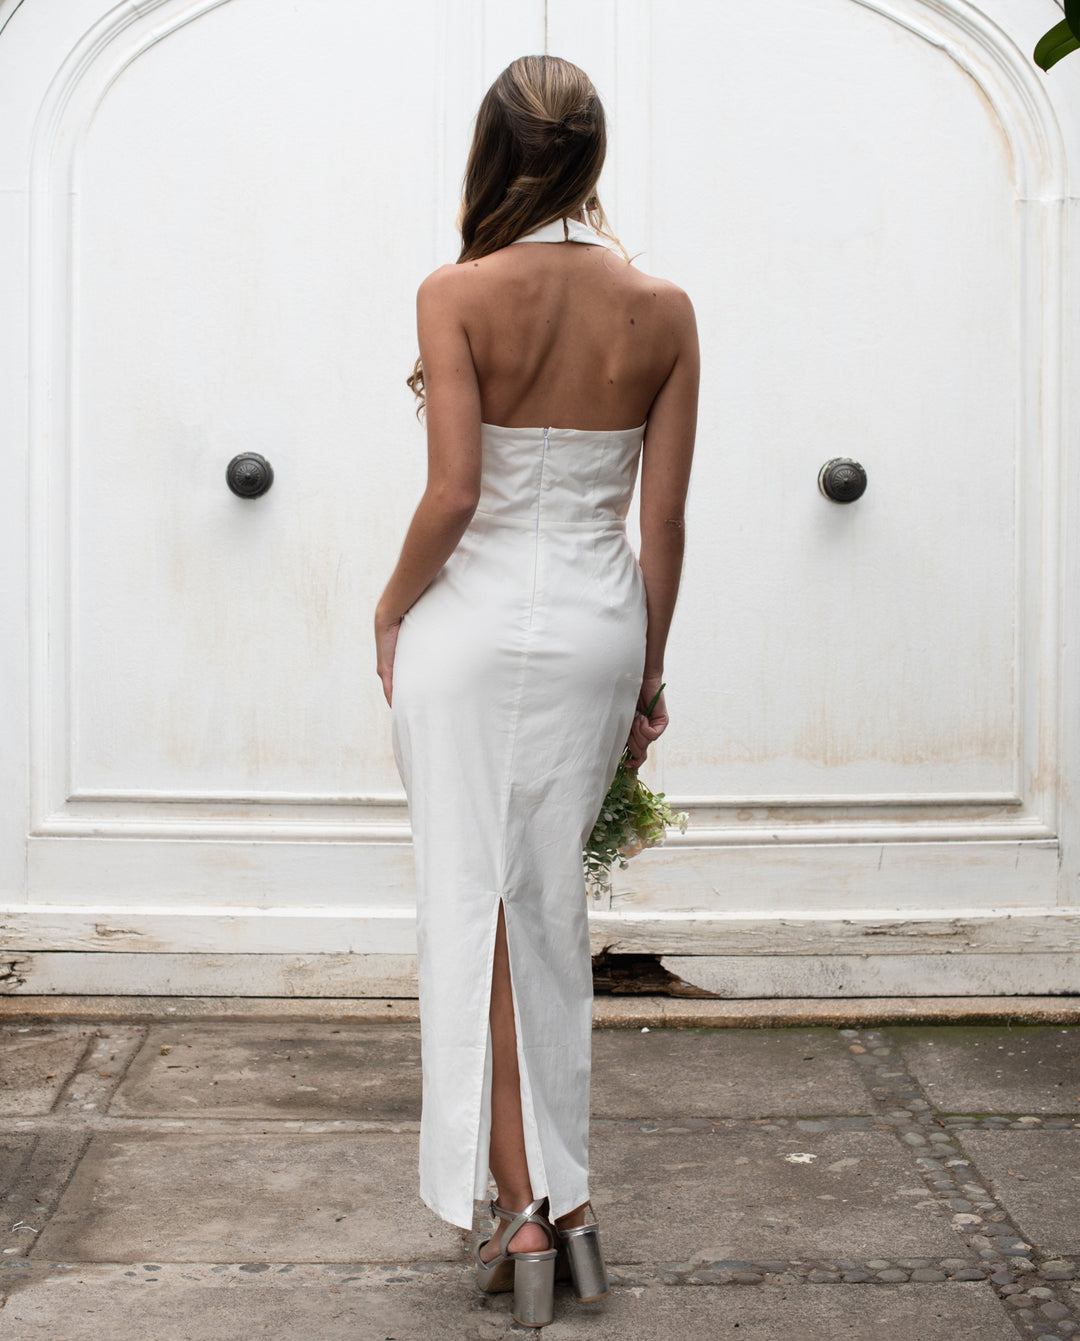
point(536, 155)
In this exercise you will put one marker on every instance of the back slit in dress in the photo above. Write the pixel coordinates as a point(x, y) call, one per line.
point(515, 681)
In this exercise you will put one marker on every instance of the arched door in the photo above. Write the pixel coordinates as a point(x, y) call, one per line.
point(226, 206)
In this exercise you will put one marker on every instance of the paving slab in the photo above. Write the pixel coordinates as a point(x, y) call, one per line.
point(963, 1312)
point(247, 1197)
point(14, 1153)
point(221, 1304)
point(724, 1072)
point(1036, 1177)
point(35, 1063)
point(289, 1071)
point(978, 1068)
point(716, 1194)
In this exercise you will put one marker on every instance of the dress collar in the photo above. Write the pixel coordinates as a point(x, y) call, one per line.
point(566, 230)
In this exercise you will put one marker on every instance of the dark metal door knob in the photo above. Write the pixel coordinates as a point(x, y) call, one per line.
point(249, 475)
point(842, 480)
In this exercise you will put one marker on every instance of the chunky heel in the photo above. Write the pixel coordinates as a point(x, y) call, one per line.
point(531, 1276)
point(534, 1288)
point(580, 1249)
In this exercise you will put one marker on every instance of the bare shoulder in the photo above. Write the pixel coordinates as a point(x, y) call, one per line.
point(455, 289)
point(440, 286)
point(668, 307)
point(670, 298)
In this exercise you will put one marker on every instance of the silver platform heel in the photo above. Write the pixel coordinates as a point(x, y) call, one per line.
point(531, 1276)
point(580, 1258)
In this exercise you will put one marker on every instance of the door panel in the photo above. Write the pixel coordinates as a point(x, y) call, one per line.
point(237, 201)
point(235, 223)
point(849, 193)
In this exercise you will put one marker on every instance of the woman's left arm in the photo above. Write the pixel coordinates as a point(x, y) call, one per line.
point(453, 443)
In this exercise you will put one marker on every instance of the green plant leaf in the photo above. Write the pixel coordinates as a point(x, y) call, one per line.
point(1055, 44)
point(1072, 17)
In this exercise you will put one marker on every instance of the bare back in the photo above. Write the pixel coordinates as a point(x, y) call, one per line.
point(563, 335)
point(567, 334)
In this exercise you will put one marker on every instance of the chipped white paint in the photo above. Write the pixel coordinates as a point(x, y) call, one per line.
point(925, 974)
point(228, 929)
point(873, 717)
point(757, 975)
point(294, 975)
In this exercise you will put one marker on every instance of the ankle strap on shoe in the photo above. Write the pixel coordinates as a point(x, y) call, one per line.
point(529, 1216)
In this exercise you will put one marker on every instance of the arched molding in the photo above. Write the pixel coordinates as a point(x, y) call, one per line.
point(1005, 75)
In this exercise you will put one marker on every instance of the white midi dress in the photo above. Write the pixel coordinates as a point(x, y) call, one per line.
point(516, 677)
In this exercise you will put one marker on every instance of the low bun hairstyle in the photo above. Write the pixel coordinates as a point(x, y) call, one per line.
point(536, 155)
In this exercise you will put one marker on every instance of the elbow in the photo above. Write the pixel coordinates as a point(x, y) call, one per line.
point(456, 502)
point(666, 530)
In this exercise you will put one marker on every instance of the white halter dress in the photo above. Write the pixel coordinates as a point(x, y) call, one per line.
point(515, 682)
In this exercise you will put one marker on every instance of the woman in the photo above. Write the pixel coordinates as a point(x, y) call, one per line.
point(519, 644)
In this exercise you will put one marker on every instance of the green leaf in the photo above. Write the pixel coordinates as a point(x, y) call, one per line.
point(1072, 17)
point(1058, 42)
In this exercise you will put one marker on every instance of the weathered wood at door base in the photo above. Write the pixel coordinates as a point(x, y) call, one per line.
point(1053, 931)
point(877, 975)
point(59, 973)
point(302, 975)
point(391, 931)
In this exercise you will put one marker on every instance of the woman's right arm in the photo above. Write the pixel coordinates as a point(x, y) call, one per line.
point(665, 477)
point(453, 443)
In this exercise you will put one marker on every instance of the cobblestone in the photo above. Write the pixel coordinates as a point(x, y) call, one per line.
point(1006, 1257)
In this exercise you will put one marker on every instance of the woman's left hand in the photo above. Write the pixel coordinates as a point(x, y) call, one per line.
point(386, 636)
point(644, 730)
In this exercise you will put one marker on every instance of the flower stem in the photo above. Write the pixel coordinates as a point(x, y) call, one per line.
point(648, 710)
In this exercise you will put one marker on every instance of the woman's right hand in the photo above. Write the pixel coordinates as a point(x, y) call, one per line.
point(646, 729)
point(386, 636)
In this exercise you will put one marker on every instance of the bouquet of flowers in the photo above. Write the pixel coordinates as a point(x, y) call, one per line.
point(632, 818)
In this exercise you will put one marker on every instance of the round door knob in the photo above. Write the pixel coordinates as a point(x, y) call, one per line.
point(249, 475)
point(842, 480)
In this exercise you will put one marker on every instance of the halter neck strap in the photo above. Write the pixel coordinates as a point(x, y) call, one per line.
point(566, 230)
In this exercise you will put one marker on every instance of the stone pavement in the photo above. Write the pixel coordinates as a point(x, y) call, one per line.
point(233, 1179)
